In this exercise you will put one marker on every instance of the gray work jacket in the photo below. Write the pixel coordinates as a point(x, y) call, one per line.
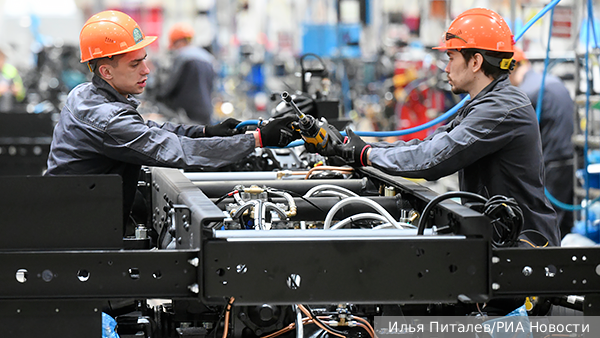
point(494, 144)
point(190, 84)
point(101, 132)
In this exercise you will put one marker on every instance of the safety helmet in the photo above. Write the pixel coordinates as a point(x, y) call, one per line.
point(479, 28)
point(180, 31)
point(110, 33)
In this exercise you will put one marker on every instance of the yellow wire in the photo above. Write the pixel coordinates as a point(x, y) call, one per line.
point(533, 245)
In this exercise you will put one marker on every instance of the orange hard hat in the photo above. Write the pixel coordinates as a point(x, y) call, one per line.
point(519, 55)
point(479, 28)
point(110, 33)
point(180, 31)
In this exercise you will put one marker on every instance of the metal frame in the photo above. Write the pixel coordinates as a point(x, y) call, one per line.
point(207, 265)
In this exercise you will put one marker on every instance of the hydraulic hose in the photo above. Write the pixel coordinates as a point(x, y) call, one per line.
point(362, 200)
point(438, 199)
point(554, 200)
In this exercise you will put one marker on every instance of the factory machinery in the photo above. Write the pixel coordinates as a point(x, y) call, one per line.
point(262, 254)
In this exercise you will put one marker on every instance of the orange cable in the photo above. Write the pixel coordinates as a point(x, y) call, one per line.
point(366, 328)
point(303, 309)
point(367, 324)
point(227, 311)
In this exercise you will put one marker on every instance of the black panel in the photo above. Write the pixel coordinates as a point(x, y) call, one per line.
point(61, 212)
point(99, 274)
point(369, 271)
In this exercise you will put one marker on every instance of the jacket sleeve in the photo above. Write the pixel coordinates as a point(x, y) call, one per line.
point(483, 131)
point(129, 139)
point(193, 131)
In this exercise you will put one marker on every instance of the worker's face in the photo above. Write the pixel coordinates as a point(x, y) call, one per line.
point(458, 75)
point(130, 73)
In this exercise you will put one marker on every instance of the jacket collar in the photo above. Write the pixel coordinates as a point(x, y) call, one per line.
point(502, 81)
point(111, 94)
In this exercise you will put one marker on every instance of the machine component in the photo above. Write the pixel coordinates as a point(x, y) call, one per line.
point(315, 131)
point(296, 272)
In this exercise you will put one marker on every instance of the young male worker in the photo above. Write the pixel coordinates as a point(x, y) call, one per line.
point(101, 132)
point(494, 141)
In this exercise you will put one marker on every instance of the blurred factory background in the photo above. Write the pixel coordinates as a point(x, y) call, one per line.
point(377, 56)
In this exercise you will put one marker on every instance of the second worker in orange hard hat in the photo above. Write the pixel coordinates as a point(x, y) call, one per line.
point(101, 132)
point(189, 85)
point(493, 142)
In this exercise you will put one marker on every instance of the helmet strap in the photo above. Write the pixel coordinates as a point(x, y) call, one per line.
point(506, 64)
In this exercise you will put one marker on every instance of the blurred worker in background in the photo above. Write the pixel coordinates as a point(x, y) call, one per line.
point(556, 129)
point(189, 85)
point(11, 85)
point(101, 132)
point(494, 140)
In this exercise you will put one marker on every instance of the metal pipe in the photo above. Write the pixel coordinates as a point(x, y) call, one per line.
point(299, 326)
point(308, 212)
point(322, 234)
point(231, 176)
point(219, 188)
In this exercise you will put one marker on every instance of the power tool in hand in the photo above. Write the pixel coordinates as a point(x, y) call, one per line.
point(316, 132)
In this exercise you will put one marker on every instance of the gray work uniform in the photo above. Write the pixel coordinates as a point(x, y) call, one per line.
point(556, 130)
point(101, 132)
point(190, 84)
point(494, 144)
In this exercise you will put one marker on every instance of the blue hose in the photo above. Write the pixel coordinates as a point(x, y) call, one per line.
point(553, 200)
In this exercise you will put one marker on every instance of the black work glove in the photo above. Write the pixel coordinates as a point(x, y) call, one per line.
point(335, 139)
point(278, 132)
point(353, 150)
point(225, 128)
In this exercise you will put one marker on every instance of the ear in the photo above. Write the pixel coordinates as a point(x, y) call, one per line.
point(476, 62)
point(105, 71)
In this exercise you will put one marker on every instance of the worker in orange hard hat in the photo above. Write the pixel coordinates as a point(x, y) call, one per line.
point(556, 129)
point(180, 33)
point(191, 78)
point(494, 141)
point(101, 132)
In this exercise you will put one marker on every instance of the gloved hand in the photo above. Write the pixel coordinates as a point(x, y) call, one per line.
point(353, 150)
point(278, 132)
point(225, 128)
point(335, 138)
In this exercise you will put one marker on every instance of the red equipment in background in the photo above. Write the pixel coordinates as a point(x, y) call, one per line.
point(417, 101)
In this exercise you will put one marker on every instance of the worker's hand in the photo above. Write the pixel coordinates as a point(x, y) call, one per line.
point(278, 132)
point(225, 128)
point(354, 150)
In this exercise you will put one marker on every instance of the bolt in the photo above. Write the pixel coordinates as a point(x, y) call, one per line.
point(194, 288)
point(527, 271)
point(495, 286)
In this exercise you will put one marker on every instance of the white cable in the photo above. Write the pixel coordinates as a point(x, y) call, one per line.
point(329, 193)
point(362, 200)
point(299, 325)
point(365, 215)
point(238, 198)
point(329, 187)
point(389, 225)
point(277, 209)
point(292, 204)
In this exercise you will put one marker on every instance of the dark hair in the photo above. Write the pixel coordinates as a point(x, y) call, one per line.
point(493, 71)
point(96, 63)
